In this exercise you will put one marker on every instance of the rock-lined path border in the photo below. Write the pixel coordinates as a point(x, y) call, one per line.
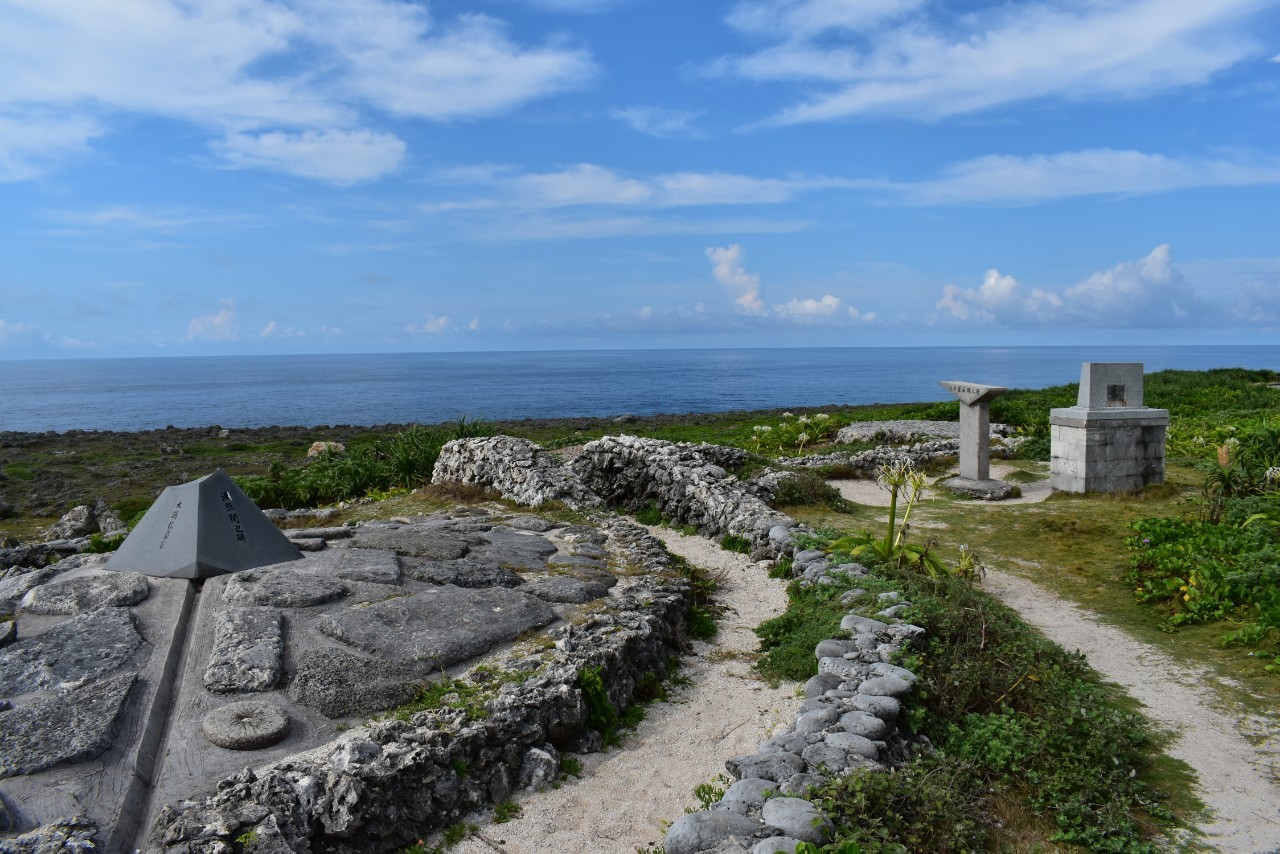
point(627, 796)
point(1234, 774)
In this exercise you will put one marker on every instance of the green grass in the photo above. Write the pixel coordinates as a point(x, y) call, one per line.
point(1024, 732)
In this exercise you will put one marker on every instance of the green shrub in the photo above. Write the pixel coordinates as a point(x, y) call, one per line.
point(804, 490)
point(735, 543)
point(404, 460)
point(99, 544)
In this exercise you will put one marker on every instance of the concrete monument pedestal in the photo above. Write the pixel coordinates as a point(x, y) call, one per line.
point(1109, 441)
point(975, 442)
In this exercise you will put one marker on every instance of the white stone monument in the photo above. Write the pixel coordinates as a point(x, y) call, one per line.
point(975, 441)
point(1108, 441)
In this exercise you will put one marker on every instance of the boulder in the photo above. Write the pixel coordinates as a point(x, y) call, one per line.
point(87, 593)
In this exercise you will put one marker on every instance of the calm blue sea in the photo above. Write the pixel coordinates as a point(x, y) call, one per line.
point(256, 391)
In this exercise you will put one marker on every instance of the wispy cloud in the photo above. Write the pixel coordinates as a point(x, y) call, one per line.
point(11, 331)
point(591, 184)
point(916, 59)
point(340, 157)
point(660, 121)
point(1001, 179)
point(727, 269)
point(432, 325)
point(289, 88)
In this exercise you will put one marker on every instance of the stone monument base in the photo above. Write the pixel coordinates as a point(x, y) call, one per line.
point(1118, 450)
point(984, 490)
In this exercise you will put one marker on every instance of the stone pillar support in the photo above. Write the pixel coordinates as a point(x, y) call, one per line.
point(975, 440)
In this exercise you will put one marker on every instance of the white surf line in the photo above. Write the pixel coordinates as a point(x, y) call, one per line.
point(1234, 774)
point(627, 795)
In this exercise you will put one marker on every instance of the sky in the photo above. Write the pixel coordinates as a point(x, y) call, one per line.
point(206, 177)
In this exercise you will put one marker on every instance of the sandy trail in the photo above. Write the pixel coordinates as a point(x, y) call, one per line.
point(1235, 774)
point(626, 796)
point(870, 494)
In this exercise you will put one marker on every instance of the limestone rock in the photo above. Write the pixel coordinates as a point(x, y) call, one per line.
point(439, 626)
point(248, 647)
point(464, 573)
point(250, 725)
point(681, 480)
point(281, 588)
point(799, 819)
point(422, 541)
point(557, 588)
point(519, 469)
point(82, 648)
point(766, 766)
point(700, 831)
point(87, 593)
point(69, 727)
point(747, 795)
point(338, 684)
point(78, 522)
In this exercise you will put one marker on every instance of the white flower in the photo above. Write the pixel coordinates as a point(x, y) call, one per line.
point(822, 416)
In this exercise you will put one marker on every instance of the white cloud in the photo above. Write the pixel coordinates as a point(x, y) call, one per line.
point(433, 325)
point(13, 331)
point(1007, 179)
point(340, 157)
point(1148, 292)
point(573, 228)
point(142, 219)
point(249, 69)
point(591, 184)
point(214, 327)
point(803, 19)
point(660, 121)
point(474, 324)
point(275, 330)
point(34, 143)
point(825, 307)
point(727, 269)
point(906, 59)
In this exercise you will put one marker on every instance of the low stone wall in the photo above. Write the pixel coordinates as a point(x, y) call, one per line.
point(392, 782)
point(848, 721)
point(686, 482)
point(865, 464)
point(519, 469)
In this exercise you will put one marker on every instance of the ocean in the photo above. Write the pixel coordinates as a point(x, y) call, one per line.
point(257, 391)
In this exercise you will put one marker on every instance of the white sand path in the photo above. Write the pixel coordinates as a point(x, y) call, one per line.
point(626, 796)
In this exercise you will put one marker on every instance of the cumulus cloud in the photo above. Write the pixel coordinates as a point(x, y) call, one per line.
point(1001, 179)
point(920, 60)
point(214, 327)
point(248, 69)
point(727, 269)
point(1148, 292)
point(340, 157)
point(659, 121)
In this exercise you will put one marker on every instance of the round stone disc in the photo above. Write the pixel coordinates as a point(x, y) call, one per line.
point(250, 725)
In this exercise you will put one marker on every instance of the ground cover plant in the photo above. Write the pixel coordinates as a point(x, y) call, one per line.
point(1028, 743)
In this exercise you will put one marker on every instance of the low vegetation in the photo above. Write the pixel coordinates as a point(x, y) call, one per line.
point(1027, 740)
point(403, 461)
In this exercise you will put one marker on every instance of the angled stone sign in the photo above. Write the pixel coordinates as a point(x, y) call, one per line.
point(200, 529)
point(975, 441)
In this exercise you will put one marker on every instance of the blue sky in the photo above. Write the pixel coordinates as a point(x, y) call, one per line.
point(328, 176)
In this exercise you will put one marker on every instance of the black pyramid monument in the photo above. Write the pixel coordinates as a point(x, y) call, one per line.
point(203, 528)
